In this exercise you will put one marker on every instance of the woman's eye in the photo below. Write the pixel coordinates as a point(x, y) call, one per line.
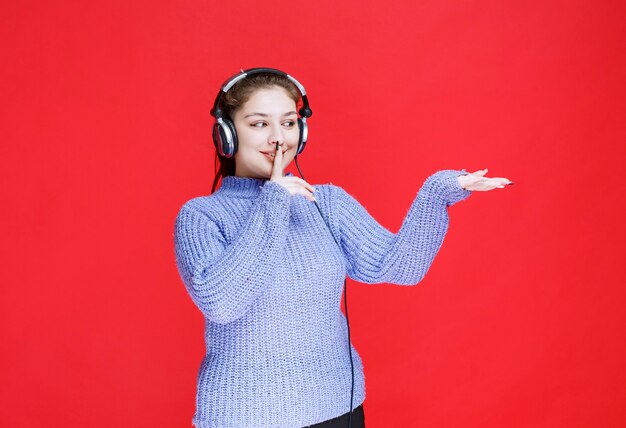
point(289, 124)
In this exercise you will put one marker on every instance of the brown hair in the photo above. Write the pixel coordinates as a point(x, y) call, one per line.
point(235, 98)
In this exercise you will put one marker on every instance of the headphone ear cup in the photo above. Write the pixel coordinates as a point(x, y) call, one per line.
point(217, 140)
point(303, 135)
point(225, 137)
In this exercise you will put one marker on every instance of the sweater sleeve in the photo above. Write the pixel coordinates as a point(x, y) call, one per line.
point(375, 255)
point(222, 278)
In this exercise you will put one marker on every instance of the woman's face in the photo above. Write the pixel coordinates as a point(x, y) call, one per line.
point(268, 116)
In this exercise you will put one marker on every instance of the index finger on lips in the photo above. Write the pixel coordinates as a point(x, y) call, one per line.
point(277, 167)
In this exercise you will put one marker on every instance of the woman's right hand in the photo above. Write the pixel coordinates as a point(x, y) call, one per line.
point(295, 185)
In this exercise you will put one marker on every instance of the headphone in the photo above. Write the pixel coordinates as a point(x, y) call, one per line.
point(224, 132)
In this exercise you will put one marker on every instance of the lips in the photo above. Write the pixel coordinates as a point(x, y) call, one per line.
point(271, 154)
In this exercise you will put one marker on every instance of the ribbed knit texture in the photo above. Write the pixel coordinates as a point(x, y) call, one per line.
point(266, 273)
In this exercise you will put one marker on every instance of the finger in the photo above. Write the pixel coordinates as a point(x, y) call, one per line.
point(277, 168)
point(481, 172)
point(297, 189)
point(301, 182)
point(306, 194)
point(501, 181)
point(497, 182)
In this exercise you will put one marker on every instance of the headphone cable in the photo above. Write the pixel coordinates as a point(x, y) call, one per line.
point(345, 302)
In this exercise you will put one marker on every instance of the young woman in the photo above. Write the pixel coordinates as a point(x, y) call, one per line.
point(264, 257)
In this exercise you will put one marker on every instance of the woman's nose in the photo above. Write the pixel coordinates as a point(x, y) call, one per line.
point(277, 136)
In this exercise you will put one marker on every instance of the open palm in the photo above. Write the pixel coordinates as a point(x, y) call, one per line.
point(478, 181)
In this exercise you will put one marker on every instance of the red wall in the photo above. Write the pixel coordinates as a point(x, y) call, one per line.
point(105, 134)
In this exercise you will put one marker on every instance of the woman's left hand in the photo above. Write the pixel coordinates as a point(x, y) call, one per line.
point(478, 181)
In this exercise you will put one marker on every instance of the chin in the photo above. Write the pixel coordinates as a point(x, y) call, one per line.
point(265, 174)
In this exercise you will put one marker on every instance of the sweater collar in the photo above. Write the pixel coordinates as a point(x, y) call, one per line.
point(243, 187)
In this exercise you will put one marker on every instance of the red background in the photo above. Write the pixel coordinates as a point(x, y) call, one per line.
point(105, 134)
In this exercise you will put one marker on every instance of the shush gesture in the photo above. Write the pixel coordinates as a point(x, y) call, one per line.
point(478, 181)
point(295, 185)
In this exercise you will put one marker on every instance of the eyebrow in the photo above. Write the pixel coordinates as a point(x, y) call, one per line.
point(267, 115)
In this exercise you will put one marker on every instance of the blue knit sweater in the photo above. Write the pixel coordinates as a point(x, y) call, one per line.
point(268, 276)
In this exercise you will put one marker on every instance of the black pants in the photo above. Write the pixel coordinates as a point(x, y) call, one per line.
point(358, 420)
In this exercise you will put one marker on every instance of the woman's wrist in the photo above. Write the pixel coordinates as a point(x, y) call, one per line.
point(446, 184)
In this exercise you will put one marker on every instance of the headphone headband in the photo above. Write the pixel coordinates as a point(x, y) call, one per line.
point(216, 112)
